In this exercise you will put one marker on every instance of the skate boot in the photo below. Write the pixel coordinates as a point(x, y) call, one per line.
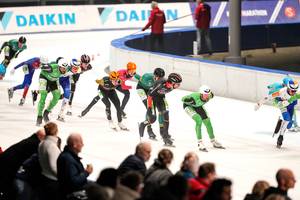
point(60, 118)
point(69, 112)
point(168, 142)
point(22, 101)
point(201, 146)
point(142, 127)
point(123, 115)
point(45, 116)
point(151, 134)
point(39, 121)
point(216, 144)
point(34, 95)
point(112, 125)
point(10, 92)
point(279, 141)
point(122, 126)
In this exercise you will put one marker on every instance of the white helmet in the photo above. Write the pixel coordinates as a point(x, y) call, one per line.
point(44, 59)
point(204, 89)
point(63, 63)
point(75, 62)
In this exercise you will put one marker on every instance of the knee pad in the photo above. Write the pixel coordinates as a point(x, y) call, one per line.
point(151, 118)
point(73, 87)
point(165, 114)
point(96, 98)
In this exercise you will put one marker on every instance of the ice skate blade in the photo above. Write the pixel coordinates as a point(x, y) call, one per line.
point(203, 150)
point(169, 145)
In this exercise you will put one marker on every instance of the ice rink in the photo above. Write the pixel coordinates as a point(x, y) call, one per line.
point(250, 153)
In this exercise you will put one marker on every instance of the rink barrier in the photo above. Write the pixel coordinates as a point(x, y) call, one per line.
point(228, 80)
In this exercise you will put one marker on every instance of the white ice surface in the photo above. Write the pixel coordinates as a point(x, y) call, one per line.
point(250, 153)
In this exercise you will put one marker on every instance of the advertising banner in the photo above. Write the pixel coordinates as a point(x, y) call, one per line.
point(74, 18)
point(256, 12)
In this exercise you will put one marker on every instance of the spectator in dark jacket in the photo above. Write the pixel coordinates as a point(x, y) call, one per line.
point(156, 20)
point(137, 161)
point(202, 20)
point(257, 191)
point(220, 189)
point(286, 180)
point(200, 184)
point(71, 174)
point(13, 157)
point(109, 180)
point(158, 174)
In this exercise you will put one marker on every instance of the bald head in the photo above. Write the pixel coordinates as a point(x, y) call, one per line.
point(143, 150)
point(285, 179)
point(41, 134)
point(75, 142)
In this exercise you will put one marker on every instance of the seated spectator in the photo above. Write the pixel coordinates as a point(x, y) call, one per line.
point(189, 166)
point(48, 153)
point(258, 191)
point(109, 180)
point(285, 180)
point(96, 192)
point(137, 161)
point(176, 189)
point(200, 184)
point(220, 189)
point(130, 187)
point(159, 173)
point(71, 175)
point(13, 157)
point(28, 178)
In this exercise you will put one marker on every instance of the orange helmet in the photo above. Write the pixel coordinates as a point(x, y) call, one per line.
point(113, 75)
point(131, 66)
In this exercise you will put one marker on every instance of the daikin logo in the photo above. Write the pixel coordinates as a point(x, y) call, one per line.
point(4, 18)
point(104, 13)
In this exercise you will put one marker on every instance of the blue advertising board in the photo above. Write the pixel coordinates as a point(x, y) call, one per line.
point(256, 12)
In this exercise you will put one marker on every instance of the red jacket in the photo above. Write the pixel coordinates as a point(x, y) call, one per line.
point(197, 188)
point(156, 21)
point(202, 16)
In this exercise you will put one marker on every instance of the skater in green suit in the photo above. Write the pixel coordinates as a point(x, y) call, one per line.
point(193, 106)
point(48, 82)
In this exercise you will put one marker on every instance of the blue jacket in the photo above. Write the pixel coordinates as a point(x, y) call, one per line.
point(70, 172)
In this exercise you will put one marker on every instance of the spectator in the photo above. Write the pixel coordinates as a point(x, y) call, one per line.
point(200, 184)
point(137, 161)
point(202, 20)
point(275, 197)
point(220, 189)
point(176, 189)
point(48, 153)
point(72, 176)
point(130, 187)
point(13, 157)
point(189, 166)
point(96, 192)
point(158, 174)
point(285, 180)
point(109, 180)
point(258, 191)
point(156, 21)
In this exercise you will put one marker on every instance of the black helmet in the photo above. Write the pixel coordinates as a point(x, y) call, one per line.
point(22, 39)
point(85, 58)
point(159, 72)
point(174, 78)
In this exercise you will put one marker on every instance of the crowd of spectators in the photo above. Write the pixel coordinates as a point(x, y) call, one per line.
point(37, 169)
